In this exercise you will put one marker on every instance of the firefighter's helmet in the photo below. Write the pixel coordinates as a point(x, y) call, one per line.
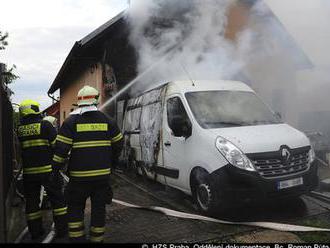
point(29, 107)
point(51, 119)
point(88, 96)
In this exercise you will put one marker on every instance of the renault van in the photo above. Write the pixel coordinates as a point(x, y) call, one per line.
point(216, 141)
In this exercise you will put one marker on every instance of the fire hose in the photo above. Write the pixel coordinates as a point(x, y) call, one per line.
point(182, 215)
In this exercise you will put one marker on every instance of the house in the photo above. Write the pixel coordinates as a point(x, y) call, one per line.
point(103, 59)
point(106, 60)
point(53, 110)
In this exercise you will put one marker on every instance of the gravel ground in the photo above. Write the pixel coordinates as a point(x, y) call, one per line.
point(127, 225)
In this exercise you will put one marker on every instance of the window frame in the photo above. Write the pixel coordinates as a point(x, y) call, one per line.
point(167, 113)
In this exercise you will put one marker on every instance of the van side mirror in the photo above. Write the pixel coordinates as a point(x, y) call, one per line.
point(181, 127)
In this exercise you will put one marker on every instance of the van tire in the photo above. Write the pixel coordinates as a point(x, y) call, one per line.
point(204, 193)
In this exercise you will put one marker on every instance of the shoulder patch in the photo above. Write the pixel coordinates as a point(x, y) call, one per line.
point(92, 127)
point(29, 130)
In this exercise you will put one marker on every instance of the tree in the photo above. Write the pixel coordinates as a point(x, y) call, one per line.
point(3, 42)
point(9, 76)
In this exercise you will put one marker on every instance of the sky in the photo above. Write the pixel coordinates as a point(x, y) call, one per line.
point(42, 33)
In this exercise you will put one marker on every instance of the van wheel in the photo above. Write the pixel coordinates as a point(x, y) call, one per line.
point(204, 194)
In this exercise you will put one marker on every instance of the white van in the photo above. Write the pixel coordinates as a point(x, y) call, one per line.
point(216, 141)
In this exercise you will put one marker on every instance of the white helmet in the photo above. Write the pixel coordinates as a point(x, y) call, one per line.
point(51, 119)
point(88, 96)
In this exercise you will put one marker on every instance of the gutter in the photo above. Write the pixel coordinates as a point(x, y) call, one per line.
point(53, 98)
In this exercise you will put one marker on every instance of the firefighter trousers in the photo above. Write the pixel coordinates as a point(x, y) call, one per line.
point(33, 212)
point(76, 194)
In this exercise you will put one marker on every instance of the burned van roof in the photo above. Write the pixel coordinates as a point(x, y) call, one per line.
point(206, 85)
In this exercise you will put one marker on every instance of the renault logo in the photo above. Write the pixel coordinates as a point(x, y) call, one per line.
point(286, 155)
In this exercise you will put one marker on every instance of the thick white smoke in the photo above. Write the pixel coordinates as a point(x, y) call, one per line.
point(199, 36)
point(191, 33)
point(195, 34)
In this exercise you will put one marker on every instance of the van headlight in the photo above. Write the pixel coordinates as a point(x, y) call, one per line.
point(311, 155)
point(233, 154)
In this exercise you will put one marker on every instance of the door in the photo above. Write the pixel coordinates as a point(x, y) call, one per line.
point(175, 145)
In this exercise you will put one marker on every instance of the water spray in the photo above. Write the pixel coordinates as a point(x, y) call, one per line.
point(134, 81)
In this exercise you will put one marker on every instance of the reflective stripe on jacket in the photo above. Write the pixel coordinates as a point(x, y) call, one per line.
point(93, 142)
point(36, 137)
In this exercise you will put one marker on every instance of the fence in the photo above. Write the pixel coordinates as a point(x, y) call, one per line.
point(6, 155)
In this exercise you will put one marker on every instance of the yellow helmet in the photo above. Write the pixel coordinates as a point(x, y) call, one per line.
point(51, 119)
point(29, 107)
point(88, 96)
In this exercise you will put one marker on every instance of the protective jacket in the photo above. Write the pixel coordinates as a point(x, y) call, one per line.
point(93, 141)
point(36, 137)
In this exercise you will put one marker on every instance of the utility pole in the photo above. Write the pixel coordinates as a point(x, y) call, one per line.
point(2, 193)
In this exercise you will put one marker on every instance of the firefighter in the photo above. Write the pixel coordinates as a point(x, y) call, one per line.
point(94, 141)
point(45, 201)
point(36, 138)
point(52, 120)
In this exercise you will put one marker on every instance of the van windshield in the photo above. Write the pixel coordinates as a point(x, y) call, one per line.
point(216, 109)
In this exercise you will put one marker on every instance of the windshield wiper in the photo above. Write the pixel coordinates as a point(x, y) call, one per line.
point(226, 123)
point(264, 122)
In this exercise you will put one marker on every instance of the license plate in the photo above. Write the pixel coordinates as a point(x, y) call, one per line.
point(290, 183)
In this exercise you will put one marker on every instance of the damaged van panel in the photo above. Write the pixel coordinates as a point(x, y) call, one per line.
point(150, 133)
point(132, 120)
point(142, 125)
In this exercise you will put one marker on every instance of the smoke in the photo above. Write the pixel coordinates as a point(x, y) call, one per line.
point(225, 39)
point(191, 33)
point(213, 39)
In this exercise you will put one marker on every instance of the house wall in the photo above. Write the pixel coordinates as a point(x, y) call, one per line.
point(238, 18)
point(91, 76)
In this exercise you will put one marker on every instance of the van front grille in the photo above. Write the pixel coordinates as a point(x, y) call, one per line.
point(272, 165)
